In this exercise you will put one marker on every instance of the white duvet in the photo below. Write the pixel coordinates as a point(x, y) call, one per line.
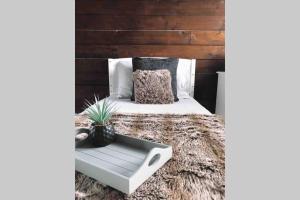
point(183, 106)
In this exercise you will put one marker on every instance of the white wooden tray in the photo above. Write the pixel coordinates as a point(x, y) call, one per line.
point(124, 164)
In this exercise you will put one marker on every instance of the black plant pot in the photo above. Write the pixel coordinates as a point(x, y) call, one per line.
point(102, 135)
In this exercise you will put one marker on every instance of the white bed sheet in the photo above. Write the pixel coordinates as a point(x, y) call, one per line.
point(183, 106)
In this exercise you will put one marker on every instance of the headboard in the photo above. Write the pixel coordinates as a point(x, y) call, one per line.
point(185, 74)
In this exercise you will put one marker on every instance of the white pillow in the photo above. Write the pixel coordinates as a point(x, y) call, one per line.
point(124, 71)
point(185, 78)
point(120, 77)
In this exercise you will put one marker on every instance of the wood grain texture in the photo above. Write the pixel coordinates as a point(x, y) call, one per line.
point(133, 37)
point(161, 28)
point(123, 22)
point(87, 92)
point(208, 37)
point(91, 71)
point(100, 65)
point(119, 51)
point(97, 65)
point(150, 37)
point(150, 7)
point(210, 66)
point(91, 78)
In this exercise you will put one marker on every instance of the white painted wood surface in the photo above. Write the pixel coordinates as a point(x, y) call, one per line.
point(220, 102)
point(124, 164)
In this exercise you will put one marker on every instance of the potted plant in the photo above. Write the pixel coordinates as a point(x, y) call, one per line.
point(102, 132)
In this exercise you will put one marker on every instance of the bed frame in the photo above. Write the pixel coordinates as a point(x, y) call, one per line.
point(192, 65)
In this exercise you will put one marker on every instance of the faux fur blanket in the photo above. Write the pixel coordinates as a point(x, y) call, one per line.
point(195, 172)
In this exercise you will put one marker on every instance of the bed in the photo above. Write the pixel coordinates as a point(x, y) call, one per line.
point(197, 169)
point(186, 104)
point(183, 106)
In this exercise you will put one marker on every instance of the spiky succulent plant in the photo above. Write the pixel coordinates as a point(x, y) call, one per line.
point(100, 111)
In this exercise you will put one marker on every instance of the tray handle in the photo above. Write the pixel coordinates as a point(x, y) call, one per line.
point(151, 159)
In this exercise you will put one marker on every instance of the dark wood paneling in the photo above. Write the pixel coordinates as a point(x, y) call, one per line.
point(175, 28)
point(117, 22)
point(208, 37)
point(91, 78)
point(150, 37)
point(203, 85)
point(91, 65)
point(133, 37)
point(205, 90)
point(88, 91)
point(210, 66)
point(183, 51)
point(91, 71)
point(100, 65)
point(84, 92)
point(151, 7)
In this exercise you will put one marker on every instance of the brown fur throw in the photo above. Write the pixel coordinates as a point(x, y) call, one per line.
point(153, 87)
point(195, 172)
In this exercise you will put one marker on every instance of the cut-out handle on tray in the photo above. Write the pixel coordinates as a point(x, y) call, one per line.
point(154, 159)
point(150, 159)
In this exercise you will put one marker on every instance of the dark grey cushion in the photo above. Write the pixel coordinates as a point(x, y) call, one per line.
point(157, 64)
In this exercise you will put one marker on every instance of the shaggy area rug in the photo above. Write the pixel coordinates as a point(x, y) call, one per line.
point(195, 172)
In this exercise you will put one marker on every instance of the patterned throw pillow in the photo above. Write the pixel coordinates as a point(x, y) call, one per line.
point(153, 87)
point(157, 64)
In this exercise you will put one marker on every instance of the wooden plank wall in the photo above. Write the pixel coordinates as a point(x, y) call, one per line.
point(165, 28)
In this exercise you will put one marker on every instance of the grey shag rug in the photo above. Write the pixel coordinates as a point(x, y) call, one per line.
point(195, 172)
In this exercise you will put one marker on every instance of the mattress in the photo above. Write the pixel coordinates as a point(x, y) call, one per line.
point(183, 106)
